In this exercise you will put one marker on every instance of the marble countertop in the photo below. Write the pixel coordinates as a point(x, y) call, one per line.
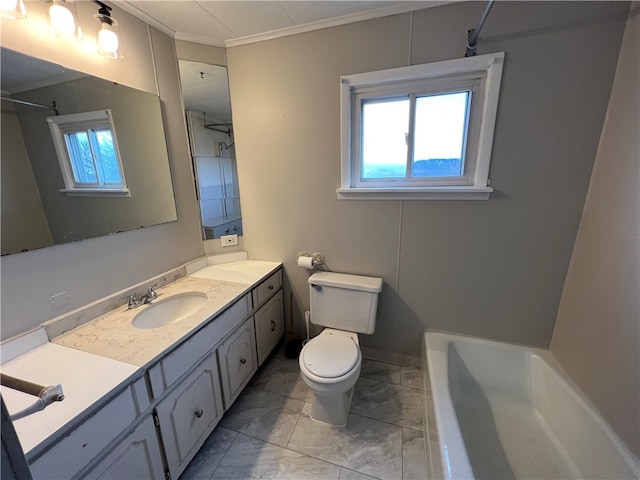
point(97, 357)
point(113, 335)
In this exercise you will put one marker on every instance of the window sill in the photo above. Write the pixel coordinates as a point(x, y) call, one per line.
point(88, 192)
point(408, 193)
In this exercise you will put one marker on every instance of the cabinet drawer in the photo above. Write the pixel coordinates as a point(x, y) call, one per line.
point(137, 456)
point(189, 414)
point(75, 450)
point(267, 288)
point(237, 356)
point(172, 367)
point(269, 326)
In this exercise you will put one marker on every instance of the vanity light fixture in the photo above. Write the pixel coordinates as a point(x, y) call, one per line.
point(63, 20)
point(108, 42)
point(13, 9)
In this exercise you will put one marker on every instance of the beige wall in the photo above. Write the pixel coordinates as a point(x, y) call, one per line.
point(597, 332)
point(493, 268)
point(24, 224)
point(196, 52)
point(95, 268)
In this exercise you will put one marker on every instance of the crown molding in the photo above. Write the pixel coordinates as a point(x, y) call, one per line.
point(336, 21)
point(187, 37)
point(287, 31)
point(136, 12)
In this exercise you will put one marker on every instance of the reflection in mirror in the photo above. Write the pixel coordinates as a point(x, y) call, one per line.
point(38, 210)
point(205, 89)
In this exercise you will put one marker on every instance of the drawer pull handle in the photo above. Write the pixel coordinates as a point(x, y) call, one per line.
point(270, 287)
point(243, 361)
point(273, 326)
point(199, 413)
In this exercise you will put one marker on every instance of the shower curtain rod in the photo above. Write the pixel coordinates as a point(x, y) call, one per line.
point(53, 105)
point(472, 35)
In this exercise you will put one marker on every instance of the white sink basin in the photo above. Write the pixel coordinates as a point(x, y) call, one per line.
point(169, 310)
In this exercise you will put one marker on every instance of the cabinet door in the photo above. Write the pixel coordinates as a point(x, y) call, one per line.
point(237, 357)
point(172, 368)
point(189, 414)
point(76, 449)
point(138, 456)
point(269, 326)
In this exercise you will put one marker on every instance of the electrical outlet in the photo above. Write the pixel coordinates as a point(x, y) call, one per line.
point(228, 240)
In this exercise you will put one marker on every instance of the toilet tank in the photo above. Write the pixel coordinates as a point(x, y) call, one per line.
point(345, 302)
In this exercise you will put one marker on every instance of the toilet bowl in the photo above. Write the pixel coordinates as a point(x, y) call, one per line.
point(345, 305)
point(330, 367)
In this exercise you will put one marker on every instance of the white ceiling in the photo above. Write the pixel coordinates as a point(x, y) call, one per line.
point(234, 22)
point(205, 88)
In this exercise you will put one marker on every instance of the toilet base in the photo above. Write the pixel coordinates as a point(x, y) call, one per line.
point(331, 409)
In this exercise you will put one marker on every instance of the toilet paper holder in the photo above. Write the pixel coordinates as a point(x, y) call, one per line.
point(317, 257)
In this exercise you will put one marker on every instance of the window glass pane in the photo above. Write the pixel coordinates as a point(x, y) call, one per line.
point(81, 159)
point(384, 138)
point(106, 158)
point(440, 132)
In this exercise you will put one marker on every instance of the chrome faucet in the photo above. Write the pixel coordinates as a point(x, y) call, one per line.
point(150, 296)
point(135, 300)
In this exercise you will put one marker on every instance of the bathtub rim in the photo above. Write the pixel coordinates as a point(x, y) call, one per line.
point(434, 354)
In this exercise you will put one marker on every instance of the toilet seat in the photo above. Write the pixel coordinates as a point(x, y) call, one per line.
point(330, 356)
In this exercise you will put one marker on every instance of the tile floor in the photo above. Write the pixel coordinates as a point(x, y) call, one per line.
point(268, 434)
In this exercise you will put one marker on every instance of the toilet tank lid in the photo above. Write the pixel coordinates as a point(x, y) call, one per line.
point(348, 281)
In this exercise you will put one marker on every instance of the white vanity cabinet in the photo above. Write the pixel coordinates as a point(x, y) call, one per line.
point(152, 426)
point(189, 414)
point(88, 440)
point(137, 456)
point(186, 383)
point(237, 355)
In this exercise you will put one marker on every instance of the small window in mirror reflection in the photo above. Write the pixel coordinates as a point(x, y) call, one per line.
point(88, 153)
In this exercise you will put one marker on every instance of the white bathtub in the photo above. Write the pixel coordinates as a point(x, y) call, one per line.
point(505, 411)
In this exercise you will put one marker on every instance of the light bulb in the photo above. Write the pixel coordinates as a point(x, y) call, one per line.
point(12, 9)
point(62, 20)
point(108, 41)
point(8, 5)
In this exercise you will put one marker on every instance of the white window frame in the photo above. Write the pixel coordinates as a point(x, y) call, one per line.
point(62, 124)
point(482, 74)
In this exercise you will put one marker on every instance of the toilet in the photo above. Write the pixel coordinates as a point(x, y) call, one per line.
point(345, 305)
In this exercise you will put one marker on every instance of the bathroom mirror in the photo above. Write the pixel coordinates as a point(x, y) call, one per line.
point(205, 89)
point(37, 209)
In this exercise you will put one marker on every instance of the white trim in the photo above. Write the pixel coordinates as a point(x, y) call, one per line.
point(23, 343)
point(188, 37)
point(96, 192)
point(427, 70)
point(335, 22)
point(489, 114)
point(227, 258)
point(127, 6)
point(491, 64)
point(136, 12)
point(415, 193)
point(83, 121)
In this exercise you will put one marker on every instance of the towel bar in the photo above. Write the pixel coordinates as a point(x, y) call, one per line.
point(46, 395)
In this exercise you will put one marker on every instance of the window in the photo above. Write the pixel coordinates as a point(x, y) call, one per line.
point(88, 154)
point(420, 132)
